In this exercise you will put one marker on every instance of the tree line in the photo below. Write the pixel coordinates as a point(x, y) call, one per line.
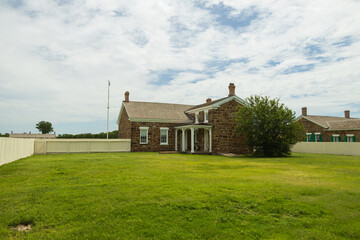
point(113, 134)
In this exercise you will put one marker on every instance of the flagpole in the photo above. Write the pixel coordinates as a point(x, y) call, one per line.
point(107, 126)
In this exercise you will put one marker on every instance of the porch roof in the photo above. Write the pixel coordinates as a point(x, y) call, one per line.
point(196, 126)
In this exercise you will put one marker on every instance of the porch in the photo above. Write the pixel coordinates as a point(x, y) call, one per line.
point(199, 136)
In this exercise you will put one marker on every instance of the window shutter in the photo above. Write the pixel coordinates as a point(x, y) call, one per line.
point(320, 137)
point(332, 138)
point(312, 137)
point(306, 137)
point(339, 138)
point(354, 138)
point(346, 138)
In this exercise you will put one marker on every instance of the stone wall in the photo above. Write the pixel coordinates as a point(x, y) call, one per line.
point(311, 127)
point(224, 137)
point(124, 130)
point(153, 137)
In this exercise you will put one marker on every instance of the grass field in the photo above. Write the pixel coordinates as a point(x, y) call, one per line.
point(157, 196)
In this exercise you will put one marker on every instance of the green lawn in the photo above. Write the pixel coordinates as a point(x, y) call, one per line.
point(157, 196)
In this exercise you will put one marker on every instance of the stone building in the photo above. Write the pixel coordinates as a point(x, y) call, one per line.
point(208, 127)
point(330, 129)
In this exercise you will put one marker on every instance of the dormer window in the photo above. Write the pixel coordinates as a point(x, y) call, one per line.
point(196, 117)
point(206, 116)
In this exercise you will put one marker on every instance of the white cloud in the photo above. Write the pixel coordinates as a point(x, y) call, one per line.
point(56, 58)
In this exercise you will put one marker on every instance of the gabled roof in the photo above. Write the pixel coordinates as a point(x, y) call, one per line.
point(155, 112)
point(334, 123)
point(215, 104)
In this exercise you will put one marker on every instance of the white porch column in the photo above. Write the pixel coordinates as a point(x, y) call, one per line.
point(205, 139)
point(210, 143)
point(176, 148)
point(183, 140)
point(192, 140)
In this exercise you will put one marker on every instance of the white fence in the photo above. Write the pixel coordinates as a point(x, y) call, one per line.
point(12, 149)
point(340, 148)
point(54, 146)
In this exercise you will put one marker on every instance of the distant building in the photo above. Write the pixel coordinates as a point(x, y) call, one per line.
point(330, 129)
point(31, 135)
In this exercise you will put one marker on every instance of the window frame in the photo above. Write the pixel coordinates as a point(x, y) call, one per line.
point(350, 136)
point(196, 117)
point(146, 129)
point(206, 116)
point(167, 135)
point(308, 135)
point(317, 135)
point(336, 136)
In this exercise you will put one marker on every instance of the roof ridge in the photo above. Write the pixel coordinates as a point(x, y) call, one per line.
point(159, 103)
point(208, 103)
point(342, 118)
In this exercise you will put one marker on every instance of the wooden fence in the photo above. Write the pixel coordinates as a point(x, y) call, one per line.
point(340, 148)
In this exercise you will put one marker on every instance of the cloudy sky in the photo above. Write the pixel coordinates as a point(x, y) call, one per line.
point(57, 56)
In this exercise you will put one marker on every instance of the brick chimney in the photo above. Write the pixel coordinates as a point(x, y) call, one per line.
point(127, 96)
point(304, 111)
point(231, 89)
point(208, 100)
point(347, 113)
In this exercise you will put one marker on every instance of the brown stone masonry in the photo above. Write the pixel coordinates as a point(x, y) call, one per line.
point(311, 127)
point(224, 136)
point(153, 137)
point(124, 126)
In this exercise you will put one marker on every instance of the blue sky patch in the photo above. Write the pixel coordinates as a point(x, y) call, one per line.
point(227, 16)
point(253, 70)
point(272, 63)
point(299, 68)
point(14, 3)
point(302, 96)
point(313, 49)
point(344, 42)
point(163, 78)
point(119, 13)
point(63, 2)
point(221, 64)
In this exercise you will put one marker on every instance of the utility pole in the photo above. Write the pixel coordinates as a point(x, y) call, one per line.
point(107, 127)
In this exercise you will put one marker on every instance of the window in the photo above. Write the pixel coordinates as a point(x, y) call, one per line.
point(308, 137)
point(144, 132)
point(335, 138)
point(350, 138)
point(164, 136)
point(318, 137)
point(206, 116)
point(197, 117)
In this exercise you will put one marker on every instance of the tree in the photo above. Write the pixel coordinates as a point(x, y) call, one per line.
point(269, 127)
point(44, 127)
